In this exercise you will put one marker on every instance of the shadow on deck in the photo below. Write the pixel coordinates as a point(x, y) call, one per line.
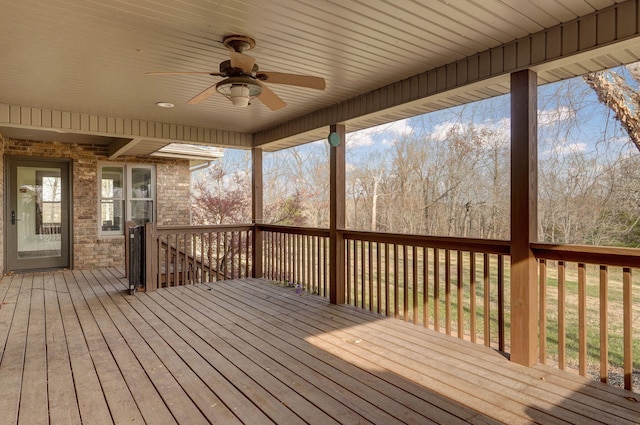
point(77, 349)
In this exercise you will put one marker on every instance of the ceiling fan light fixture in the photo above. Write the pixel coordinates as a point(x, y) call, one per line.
point(239, 90)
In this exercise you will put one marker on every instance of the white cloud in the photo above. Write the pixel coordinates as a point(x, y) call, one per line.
point(385, 134)
point(555, 116)
point(563, 147)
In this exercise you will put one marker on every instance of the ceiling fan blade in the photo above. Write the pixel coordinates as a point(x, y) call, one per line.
point(203, 95)
point(270, 99)
point(244, 62)
point(183, 73)
point(317, 83)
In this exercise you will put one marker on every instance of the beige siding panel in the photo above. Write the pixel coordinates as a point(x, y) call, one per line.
point(569, 38)
point(587, 28)
point(103, 124)
point(127, 127)
point(14, 115)
point(423, 85)
point(497, 60)
point(510, 57)
point(5, 113)
point(553, 43)
point(25, 116)
point(66, 120)
point(36, 116)
point(441, 79)
point(538, 47)
point(56, 119)
point(452, 73)
point(95, 127)
point(484, 69)
point(462, 72)
point(524, 52)
point(627, 20)
point(432, 82)
point(473, 68)
point(606, 27)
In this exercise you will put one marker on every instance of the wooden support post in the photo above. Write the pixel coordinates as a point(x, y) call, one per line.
point(524, 207)
point(337, 219)
point(257, 194)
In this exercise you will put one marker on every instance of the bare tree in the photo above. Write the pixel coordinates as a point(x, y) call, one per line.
point(614, 91)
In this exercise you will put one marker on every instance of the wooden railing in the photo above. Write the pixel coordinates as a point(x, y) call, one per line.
point(297, 256)
point(447, 284)
point(180, 255)
point(457, 286)
point(587, 310)
point(463, 292)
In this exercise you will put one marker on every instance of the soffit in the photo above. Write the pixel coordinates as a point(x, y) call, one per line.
point(90, 57)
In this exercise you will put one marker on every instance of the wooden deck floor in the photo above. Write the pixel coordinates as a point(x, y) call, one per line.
point(75, 348)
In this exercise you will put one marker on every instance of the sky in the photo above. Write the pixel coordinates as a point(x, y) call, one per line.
point(570, 120)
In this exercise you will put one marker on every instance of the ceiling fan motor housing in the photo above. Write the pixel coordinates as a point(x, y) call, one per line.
point(227, 70)
point(239, 43)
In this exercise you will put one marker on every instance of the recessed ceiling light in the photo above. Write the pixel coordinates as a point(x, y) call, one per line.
point(165, 104)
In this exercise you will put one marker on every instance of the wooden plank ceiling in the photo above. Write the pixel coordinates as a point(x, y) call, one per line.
point(90, 57)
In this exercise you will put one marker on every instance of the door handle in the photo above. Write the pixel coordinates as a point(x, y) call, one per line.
point(13, 218)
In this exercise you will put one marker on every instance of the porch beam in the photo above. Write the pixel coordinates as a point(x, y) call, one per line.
point(524, 207)
point(337, 219)
point(64, 124)
point(475, 77)
point(120, 146)
point(257, 211)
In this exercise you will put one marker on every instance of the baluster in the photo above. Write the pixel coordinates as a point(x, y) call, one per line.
point(627, 300)
point(436, 289)
point(604, 324)
point(561, 317)
point(542, 324)
point(447, 290)
point(472, 295)
point(582, 319)
point(460, 290)
point(487, 301)
point(425, 287)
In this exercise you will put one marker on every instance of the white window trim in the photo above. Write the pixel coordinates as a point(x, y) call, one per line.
point(127, 195)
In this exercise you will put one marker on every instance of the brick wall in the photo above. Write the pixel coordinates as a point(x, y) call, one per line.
point(89, 249)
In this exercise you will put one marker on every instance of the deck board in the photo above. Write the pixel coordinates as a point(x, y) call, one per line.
point(524, 390)
point(76, 348)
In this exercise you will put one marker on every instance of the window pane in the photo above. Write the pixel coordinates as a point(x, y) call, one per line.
point(141, 212)
point(112, 219)
point(141, 183)
point(112, 182)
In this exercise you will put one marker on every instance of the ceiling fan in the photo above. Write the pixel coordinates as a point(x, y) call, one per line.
point(243, 80)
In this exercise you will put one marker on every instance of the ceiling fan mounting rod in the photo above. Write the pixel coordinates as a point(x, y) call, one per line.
point(239, 43)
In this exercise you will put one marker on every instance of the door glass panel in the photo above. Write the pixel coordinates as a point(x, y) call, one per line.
point(38, 213)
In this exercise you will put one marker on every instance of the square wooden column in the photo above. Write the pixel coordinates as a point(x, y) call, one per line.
point(337, 220)
point(257, 212)
point(524, 217)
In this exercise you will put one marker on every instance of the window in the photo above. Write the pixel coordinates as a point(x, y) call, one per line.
point(127, 193)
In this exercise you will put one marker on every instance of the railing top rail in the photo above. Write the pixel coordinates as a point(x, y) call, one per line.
point(308, 231)
point(601, 255)
point(490, 246)
point(203, 229)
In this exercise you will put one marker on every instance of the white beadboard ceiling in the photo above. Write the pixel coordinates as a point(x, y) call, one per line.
point(90, 56)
